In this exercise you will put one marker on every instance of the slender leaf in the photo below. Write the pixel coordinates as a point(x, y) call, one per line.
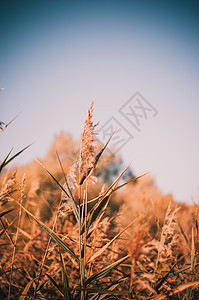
point(102, 294)
point(27, 287)
point(17, 154)
point(70, 196)
point(95, 212)
point(2, 232)
point(185, 238)
point(6, 125)
point(182, 287)
point(61, 187)
point(178, 272)
point(55, 284)
point(197, 226)
point(7, 161)
point(67, 293)
point(130, 181)
point(192, 251)
point(159, 297)
point(65, 192)
point(3, 213)
point(103, 273)
point(179, 289)
point(117, 188)
point(52, 234)
point(104, 291)
point(99, 252)
point(162, 280)
point(2, 165)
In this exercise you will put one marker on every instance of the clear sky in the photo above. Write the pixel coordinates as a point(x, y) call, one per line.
point(56, 56)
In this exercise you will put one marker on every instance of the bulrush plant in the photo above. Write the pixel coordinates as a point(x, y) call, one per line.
point(81, 251)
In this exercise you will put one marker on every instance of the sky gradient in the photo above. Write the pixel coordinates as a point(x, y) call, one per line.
point(56, 56)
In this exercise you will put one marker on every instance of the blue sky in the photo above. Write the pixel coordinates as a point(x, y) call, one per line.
point(56, 56)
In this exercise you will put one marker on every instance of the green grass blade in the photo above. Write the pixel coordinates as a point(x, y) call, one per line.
point(67, 294)
point(103, 273)
point(52, 234)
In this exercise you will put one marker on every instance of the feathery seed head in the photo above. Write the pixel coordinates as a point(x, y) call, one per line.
point(88, 143)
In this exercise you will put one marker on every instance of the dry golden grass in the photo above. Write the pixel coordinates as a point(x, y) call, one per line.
point(64, 236)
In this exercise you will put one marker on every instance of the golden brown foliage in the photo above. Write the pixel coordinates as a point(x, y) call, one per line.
point(162, 243)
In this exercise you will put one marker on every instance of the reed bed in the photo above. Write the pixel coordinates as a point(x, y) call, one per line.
point(67, 233)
